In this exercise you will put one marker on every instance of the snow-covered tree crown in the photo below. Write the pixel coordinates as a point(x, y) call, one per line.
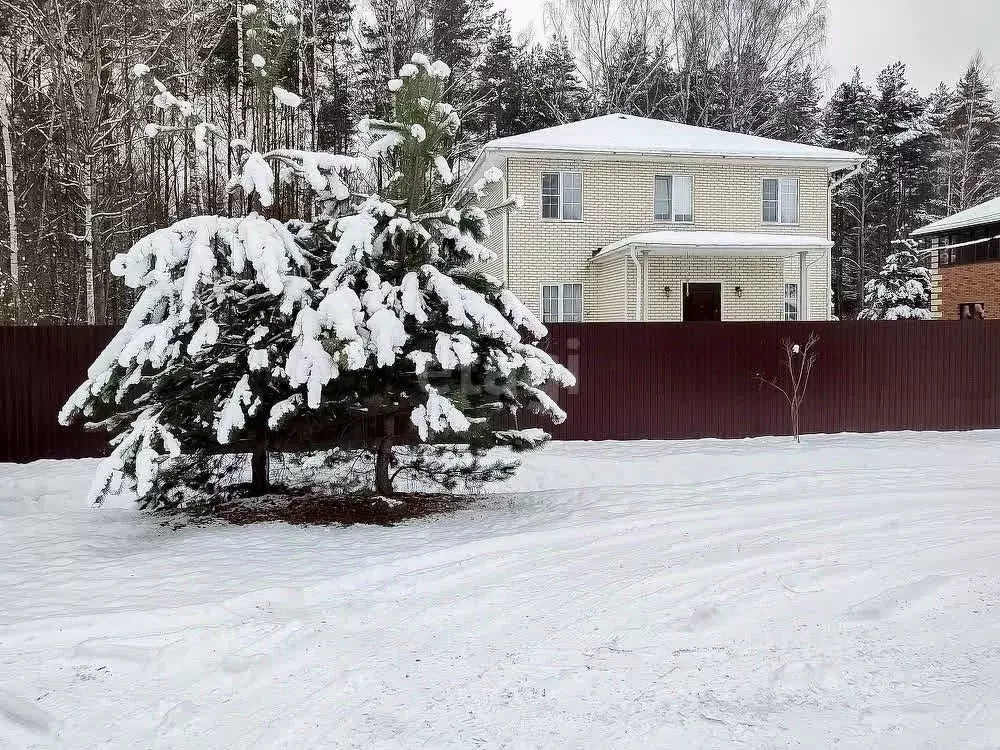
point(902, 289)
point(251, 332)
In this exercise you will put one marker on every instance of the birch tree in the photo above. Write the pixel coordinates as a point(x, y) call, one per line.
point(971, 143)
point(12, 282)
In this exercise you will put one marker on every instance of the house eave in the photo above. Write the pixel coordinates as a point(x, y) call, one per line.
point(687, 250)
point(931, 230)
point(488, 157)
point(590, 154)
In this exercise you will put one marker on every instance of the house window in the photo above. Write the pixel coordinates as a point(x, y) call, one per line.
point(781, 201)
point(562, 303)
point(972, 311)
point(791, 301)
point(672, 199)
point(562, 195)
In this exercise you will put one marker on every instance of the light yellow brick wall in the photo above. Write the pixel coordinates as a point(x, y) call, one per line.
point(618, 202)
point(610, 280)
point(761, 281)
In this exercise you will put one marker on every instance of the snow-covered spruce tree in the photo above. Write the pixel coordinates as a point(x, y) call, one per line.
point(902, 289)
point(363, 330)
point(194, 373)
point(447, 348)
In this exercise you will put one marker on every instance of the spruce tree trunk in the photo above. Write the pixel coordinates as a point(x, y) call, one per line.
point(259, 481)
point(383, 457)
point(260, 464)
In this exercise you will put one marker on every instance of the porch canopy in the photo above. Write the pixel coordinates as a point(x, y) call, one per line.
point(731, 244)
point(717, 244)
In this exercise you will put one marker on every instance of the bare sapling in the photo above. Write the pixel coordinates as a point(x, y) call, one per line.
point(799, 362)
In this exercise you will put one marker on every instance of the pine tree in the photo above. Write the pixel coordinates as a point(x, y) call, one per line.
point(901, 291)
point(330, 68)
point(798, 117)
point(941, 160)
point(455, 30)
point(555, 95)
point(499, 100)
point(626, 76)
point(902, 146)
point(460, 31)
point(387, 34)
point(358, 331)
point(849, 120)
point(850, 123)
point(663, 94)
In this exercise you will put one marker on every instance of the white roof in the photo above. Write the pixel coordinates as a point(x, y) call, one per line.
point(733, 244)
point(626, 134)
point(984, 213)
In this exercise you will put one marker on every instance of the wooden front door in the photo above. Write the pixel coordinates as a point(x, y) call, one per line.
point(702, 303)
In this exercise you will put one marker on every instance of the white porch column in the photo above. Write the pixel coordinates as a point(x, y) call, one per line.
point(803, 286)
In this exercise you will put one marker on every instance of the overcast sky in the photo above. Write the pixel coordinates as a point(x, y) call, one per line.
point(935, 38)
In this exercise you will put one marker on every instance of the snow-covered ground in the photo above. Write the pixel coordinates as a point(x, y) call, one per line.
point(652, 595)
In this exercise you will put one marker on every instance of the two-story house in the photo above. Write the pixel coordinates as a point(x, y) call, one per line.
point(632, 219)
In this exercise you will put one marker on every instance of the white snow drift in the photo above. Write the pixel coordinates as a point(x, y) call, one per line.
point(649, 595)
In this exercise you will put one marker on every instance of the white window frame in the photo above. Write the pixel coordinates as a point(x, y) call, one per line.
point(673, 204)
point(791, 299)
point(562, 194)
point(781, 193)
point(561, 297)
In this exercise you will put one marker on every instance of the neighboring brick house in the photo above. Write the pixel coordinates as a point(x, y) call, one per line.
point(965, 263)
point(631, 219)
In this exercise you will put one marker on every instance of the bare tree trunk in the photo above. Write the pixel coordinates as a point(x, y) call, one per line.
point(7, 90)
point(240, 103)
point(90, 87)
point(87, 189)
point(195, 194)
point(313, 93)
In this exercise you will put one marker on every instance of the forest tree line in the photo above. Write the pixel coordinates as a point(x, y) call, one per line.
point(81, 181)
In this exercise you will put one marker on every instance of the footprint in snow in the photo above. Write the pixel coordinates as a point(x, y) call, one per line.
point(705, 616)
point(27, 714)
point(894, 600)
point(116, 650)
point(797, 677)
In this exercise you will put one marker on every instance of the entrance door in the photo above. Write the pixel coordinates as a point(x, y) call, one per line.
point(702, 302)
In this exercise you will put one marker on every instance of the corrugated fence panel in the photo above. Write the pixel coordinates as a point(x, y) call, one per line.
point(635, 381)
point(639, 381)
point(40, 367)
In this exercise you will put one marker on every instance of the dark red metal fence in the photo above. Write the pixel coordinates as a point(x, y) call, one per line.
point(636, 381)
point(657, 381)
point(39, 368)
